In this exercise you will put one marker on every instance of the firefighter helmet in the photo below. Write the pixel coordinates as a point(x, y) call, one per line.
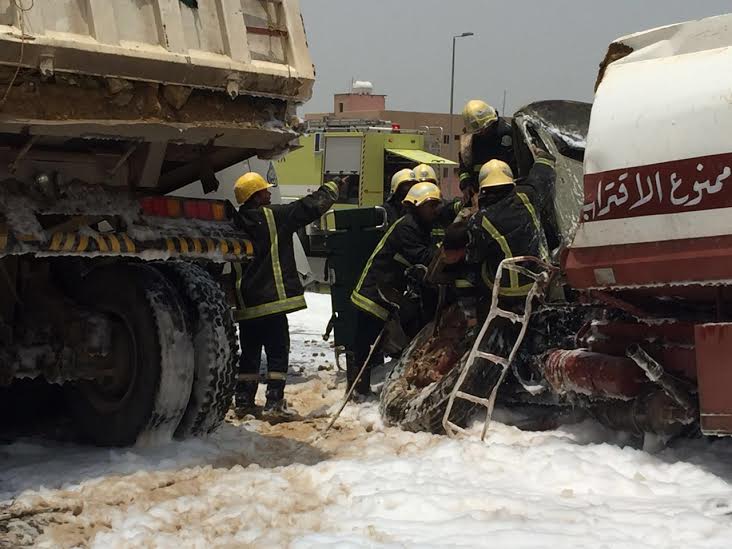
point(421, 193)
point(478, 115)
point(495, 173)
point(402, 176)
point(425, 172)
point(247, 185)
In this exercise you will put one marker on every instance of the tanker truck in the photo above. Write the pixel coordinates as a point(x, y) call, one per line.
point(632, 323)
point(110, 285)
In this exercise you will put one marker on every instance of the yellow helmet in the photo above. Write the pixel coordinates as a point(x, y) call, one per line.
point(478, 115)
point(247, 185)
point(421, 193)
point(402, 176)
point(425, 172)
point(495, 173)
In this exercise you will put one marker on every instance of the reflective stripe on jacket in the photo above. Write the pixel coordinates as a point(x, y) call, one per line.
point(270, 283)
point(405, 244)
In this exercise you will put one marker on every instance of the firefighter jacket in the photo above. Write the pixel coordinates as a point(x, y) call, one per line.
point(407, 243)
point(508, 224)
point(269, 284)
point(449, 210)
point(393, 211)
point(477, 149)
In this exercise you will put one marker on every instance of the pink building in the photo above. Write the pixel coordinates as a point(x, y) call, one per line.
point(358, 102)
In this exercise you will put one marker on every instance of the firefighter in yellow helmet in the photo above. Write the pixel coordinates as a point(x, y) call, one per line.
point(406, 245)
point(268, 287)
point(508, 222)
point(486, 136)
point(450, 209)
point(401, 182)
point(425, 172)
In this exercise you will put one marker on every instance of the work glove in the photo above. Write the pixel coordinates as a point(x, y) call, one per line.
point(541, 154)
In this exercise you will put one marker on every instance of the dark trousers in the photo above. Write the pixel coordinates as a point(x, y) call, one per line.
point(368, 328)
point(272, 333)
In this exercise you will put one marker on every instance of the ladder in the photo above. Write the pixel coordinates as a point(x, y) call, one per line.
point(541, 279)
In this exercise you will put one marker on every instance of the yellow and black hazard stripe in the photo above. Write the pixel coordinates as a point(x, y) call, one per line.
point(196, 246)
point(121, 243)
point(64, 242)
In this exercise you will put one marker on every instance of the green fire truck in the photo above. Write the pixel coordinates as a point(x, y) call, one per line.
point(368, 152)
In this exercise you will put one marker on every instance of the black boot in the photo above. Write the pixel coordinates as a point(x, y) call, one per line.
point(363, 387)
point(276, 409)
point(244, 404)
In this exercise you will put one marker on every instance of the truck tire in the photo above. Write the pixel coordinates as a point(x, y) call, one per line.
point(422, 409)
point(215, 348)
point(151, 359)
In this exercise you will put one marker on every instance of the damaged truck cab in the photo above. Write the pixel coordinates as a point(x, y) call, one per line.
point(637, 331)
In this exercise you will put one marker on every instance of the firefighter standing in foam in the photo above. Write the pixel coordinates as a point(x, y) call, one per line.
point(406, 244)
point(268, 288)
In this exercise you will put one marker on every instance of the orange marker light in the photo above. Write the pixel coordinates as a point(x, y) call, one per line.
point(174, 207)
point(219, 211)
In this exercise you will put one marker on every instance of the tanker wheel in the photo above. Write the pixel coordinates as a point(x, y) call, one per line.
point(145, 380)
point(215, 348)
point(422, 409)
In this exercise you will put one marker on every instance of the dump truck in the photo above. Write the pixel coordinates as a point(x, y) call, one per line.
point(110, 283)
point(634, 324)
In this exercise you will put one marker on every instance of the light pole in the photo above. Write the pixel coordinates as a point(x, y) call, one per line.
point(452, 82)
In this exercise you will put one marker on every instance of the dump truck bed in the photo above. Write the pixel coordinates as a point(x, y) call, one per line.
point(224, 74)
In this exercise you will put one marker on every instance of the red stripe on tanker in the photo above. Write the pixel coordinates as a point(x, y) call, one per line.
point(670, 187)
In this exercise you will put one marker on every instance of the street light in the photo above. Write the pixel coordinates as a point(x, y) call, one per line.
point(452, 81)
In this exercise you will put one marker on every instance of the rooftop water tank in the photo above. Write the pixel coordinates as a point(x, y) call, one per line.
point(363, 87)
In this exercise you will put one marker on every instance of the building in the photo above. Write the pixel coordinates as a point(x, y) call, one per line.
point(361, 103)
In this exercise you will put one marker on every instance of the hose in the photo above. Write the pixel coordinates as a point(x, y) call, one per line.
point(656, 373)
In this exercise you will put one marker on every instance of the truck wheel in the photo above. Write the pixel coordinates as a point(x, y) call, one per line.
point(215, 348)
point(149, 371)
point(422, 409)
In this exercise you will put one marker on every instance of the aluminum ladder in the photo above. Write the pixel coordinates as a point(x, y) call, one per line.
point(541, 279)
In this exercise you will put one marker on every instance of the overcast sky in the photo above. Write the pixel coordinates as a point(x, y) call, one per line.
point(540, 49)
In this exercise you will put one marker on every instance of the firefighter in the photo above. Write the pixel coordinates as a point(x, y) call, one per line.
point(425, 172)
point(405, 247)
point(401, 182)
point(486, 136)
point(508, 222)
point(449, 210)
point(268, 288)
